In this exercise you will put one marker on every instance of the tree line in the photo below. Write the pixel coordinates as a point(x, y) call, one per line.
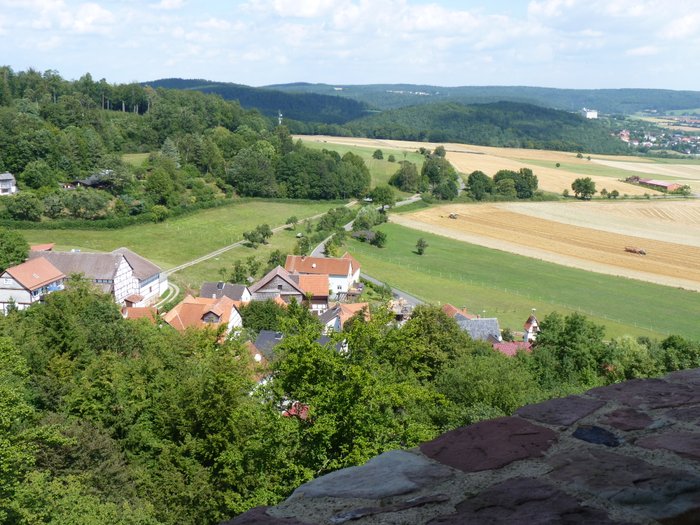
point(64, 144)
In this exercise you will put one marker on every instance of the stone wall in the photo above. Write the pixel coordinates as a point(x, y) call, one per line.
point(624, 453)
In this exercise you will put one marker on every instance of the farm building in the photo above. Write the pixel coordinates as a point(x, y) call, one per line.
point(659, 185)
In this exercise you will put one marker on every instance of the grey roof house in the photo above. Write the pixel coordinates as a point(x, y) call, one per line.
point(217, 290)
point(481, 328)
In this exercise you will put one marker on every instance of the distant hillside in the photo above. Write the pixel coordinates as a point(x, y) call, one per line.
point(305, 107)
point(626, 101)
point(503, 124)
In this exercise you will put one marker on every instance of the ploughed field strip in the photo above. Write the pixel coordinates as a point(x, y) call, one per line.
point(587, 244)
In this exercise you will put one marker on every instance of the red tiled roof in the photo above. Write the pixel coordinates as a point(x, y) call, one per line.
point(190, 311)
point(317, 265)
point(144, 312)
point(347, 311)
point(511, 348)
point(42, 247)
point(451, 311)
point(35, 273)
point(355, 262)
point(316, 285)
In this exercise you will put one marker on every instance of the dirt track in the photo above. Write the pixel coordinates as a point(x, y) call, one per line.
point(511, 228)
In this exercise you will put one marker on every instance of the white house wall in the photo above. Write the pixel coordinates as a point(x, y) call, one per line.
point(124, 282)
point(13, 292)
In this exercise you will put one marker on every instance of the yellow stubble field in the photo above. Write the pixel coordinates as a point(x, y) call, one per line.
point(591, 235)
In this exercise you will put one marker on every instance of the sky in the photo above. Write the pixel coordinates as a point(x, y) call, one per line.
point(551, 43)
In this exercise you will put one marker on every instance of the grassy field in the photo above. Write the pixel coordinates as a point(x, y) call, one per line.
point(192, 278)
point(135, 159)
point(380, 170)
point(495, 283)
point(587, 169)
point(178, 240)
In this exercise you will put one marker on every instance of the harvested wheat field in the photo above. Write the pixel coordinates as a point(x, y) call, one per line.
point(467, 158)
point(592, 236)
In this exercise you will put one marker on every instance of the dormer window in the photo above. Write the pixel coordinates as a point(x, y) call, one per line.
point(210, 317)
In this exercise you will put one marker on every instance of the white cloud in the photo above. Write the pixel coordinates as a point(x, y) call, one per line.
point(642, 51)
point(682, 28)
point(303, 8)
point(217, 24)
point(168, 4)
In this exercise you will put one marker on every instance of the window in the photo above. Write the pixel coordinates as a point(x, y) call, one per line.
point(279, 286)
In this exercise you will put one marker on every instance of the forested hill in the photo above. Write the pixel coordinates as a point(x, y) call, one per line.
point(502, 124)
point(626, 101)
point(306, 107)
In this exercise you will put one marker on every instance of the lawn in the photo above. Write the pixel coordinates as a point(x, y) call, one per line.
point(184, 238)
point(380, 170)
point(494, 283)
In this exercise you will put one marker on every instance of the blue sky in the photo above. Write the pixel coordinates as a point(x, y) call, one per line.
point(555, 43)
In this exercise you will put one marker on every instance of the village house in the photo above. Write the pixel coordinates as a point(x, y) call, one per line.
point(28, 283)
point(482, 329)
point(203, 312)
point(335, 318)
point(343, 272)
point(217, 290)
point(8, 184)
point(131, 279)
point(278, 283)
point(531, 327)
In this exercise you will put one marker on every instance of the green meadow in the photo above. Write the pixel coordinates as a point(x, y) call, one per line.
point(494, 283)
point(182, 239)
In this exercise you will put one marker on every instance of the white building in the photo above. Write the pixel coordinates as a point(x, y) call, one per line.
point(131, 279)
point(8, 184)
point(343, 272)
point(28, 283)
point(590, 113)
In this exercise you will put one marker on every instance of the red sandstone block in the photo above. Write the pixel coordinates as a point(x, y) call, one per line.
point(490, 444)
point(522, 500)
point(627, 419)
point(686, 415)
point(686, 444)
point(650, 393)
point(564, 411)
point(658, 492)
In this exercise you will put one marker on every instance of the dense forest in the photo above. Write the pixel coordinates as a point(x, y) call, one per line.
point(624, 101)
point(305, 107)
point(501, 124)
point(64, 141)
point(518, 123)
point(108, 420)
